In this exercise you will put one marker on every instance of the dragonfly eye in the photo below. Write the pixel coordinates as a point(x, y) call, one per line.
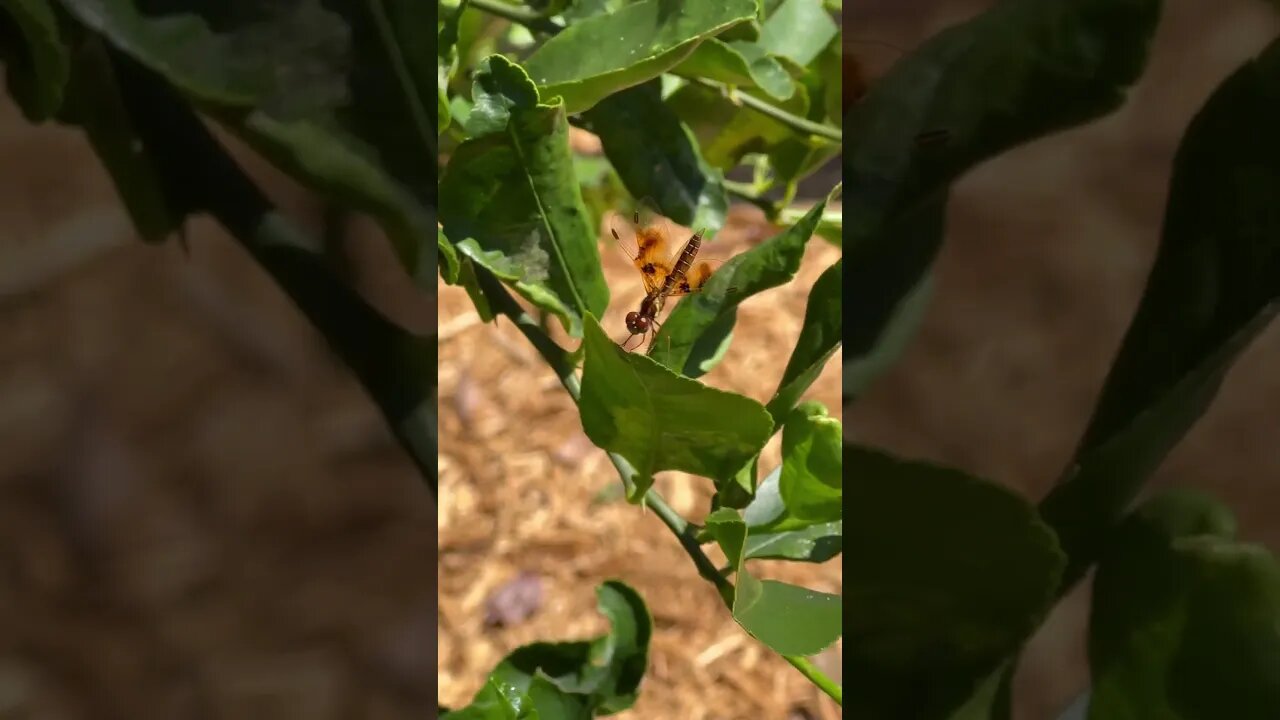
point(637, 323)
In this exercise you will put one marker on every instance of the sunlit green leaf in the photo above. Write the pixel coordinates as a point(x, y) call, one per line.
point(602, 54)
point(509, 201)
point(798, 30)
point(820, 337)
point(658, 420)
point(792, 620)
point(774, 533)
point(572, 680)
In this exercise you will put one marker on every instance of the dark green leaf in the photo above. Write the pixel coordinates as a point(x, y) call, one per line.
point(1018, 71)
point(951, 574)
point(811, 478)
point(334, 97)
point(765, 266)
point(819, 338)
point(798, 30)
point(656, 157)
point(36, 58)
point(658, 421)
point(574, 679)
point(1185, 620)
point(792, 620)
point(396, 368)
point(600, 55)
point(1214, 286)
point(510, 203)
point(774, 533)
point(105, 109)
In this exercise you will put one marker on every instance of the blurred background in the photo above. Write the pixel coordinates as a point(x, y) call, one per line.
point(1047, 252)
point(201, 514)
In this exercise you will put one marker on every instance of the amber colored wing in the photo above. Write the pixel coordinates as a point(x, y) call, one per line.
point(693, 280)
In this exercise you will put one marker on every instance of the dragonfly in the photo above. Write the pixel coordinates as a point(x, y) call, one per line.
point(665, 275)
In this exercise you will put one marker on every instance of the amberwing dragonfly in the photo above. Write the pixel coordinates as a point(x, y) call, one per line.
point(665, 275)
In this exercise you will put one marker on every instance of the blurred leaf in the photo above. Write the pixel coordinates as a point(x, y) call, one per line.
point(335, 98)
point(105, 109)
point(602, 54)
point(765, 266)
point(1016, 72)
point(395, 367)
point(1214, 286)
point(798, 30)
point(580, 679)
point(820, 337)
point(951, 573)
point(1185, 620)
point(774, 534)
point(658, 420)
point(811, 484)
point(790, 619)
point(655, 157)
point(36, 59)
point(740, 63)
point(511, 205)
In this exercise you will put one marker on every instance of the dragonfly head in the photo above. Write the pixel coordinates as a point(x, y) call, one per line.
point(637, 323)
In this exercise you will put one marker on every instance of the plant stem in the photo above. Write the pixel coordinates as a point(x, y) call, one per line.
point(817, 677)
point(524, 16)
point(786, 118)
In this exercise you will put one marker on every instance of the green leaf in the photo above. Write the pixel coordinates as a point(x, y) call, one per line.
point(510, 203)
point(774, 533)
point(790, 619)
point(656, 157)
point(499, 88)
point(798, 30)
point(659, 421)
point(36, 59)
point(600, 55)
point(106, 107)
point(1214, 286)
point(951, 574)
point(706, 317)
point(1185, 620)
point(580, 679)
point(728, 131)
point(811, 480)
point(820, 336)
point(337, 98)
point(1016, 72)
point(739, 63)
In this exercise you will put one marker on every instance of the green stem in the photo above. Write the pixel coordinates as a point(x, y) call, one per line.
point(817, 677)
point(516, 14)
point(795, 122)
